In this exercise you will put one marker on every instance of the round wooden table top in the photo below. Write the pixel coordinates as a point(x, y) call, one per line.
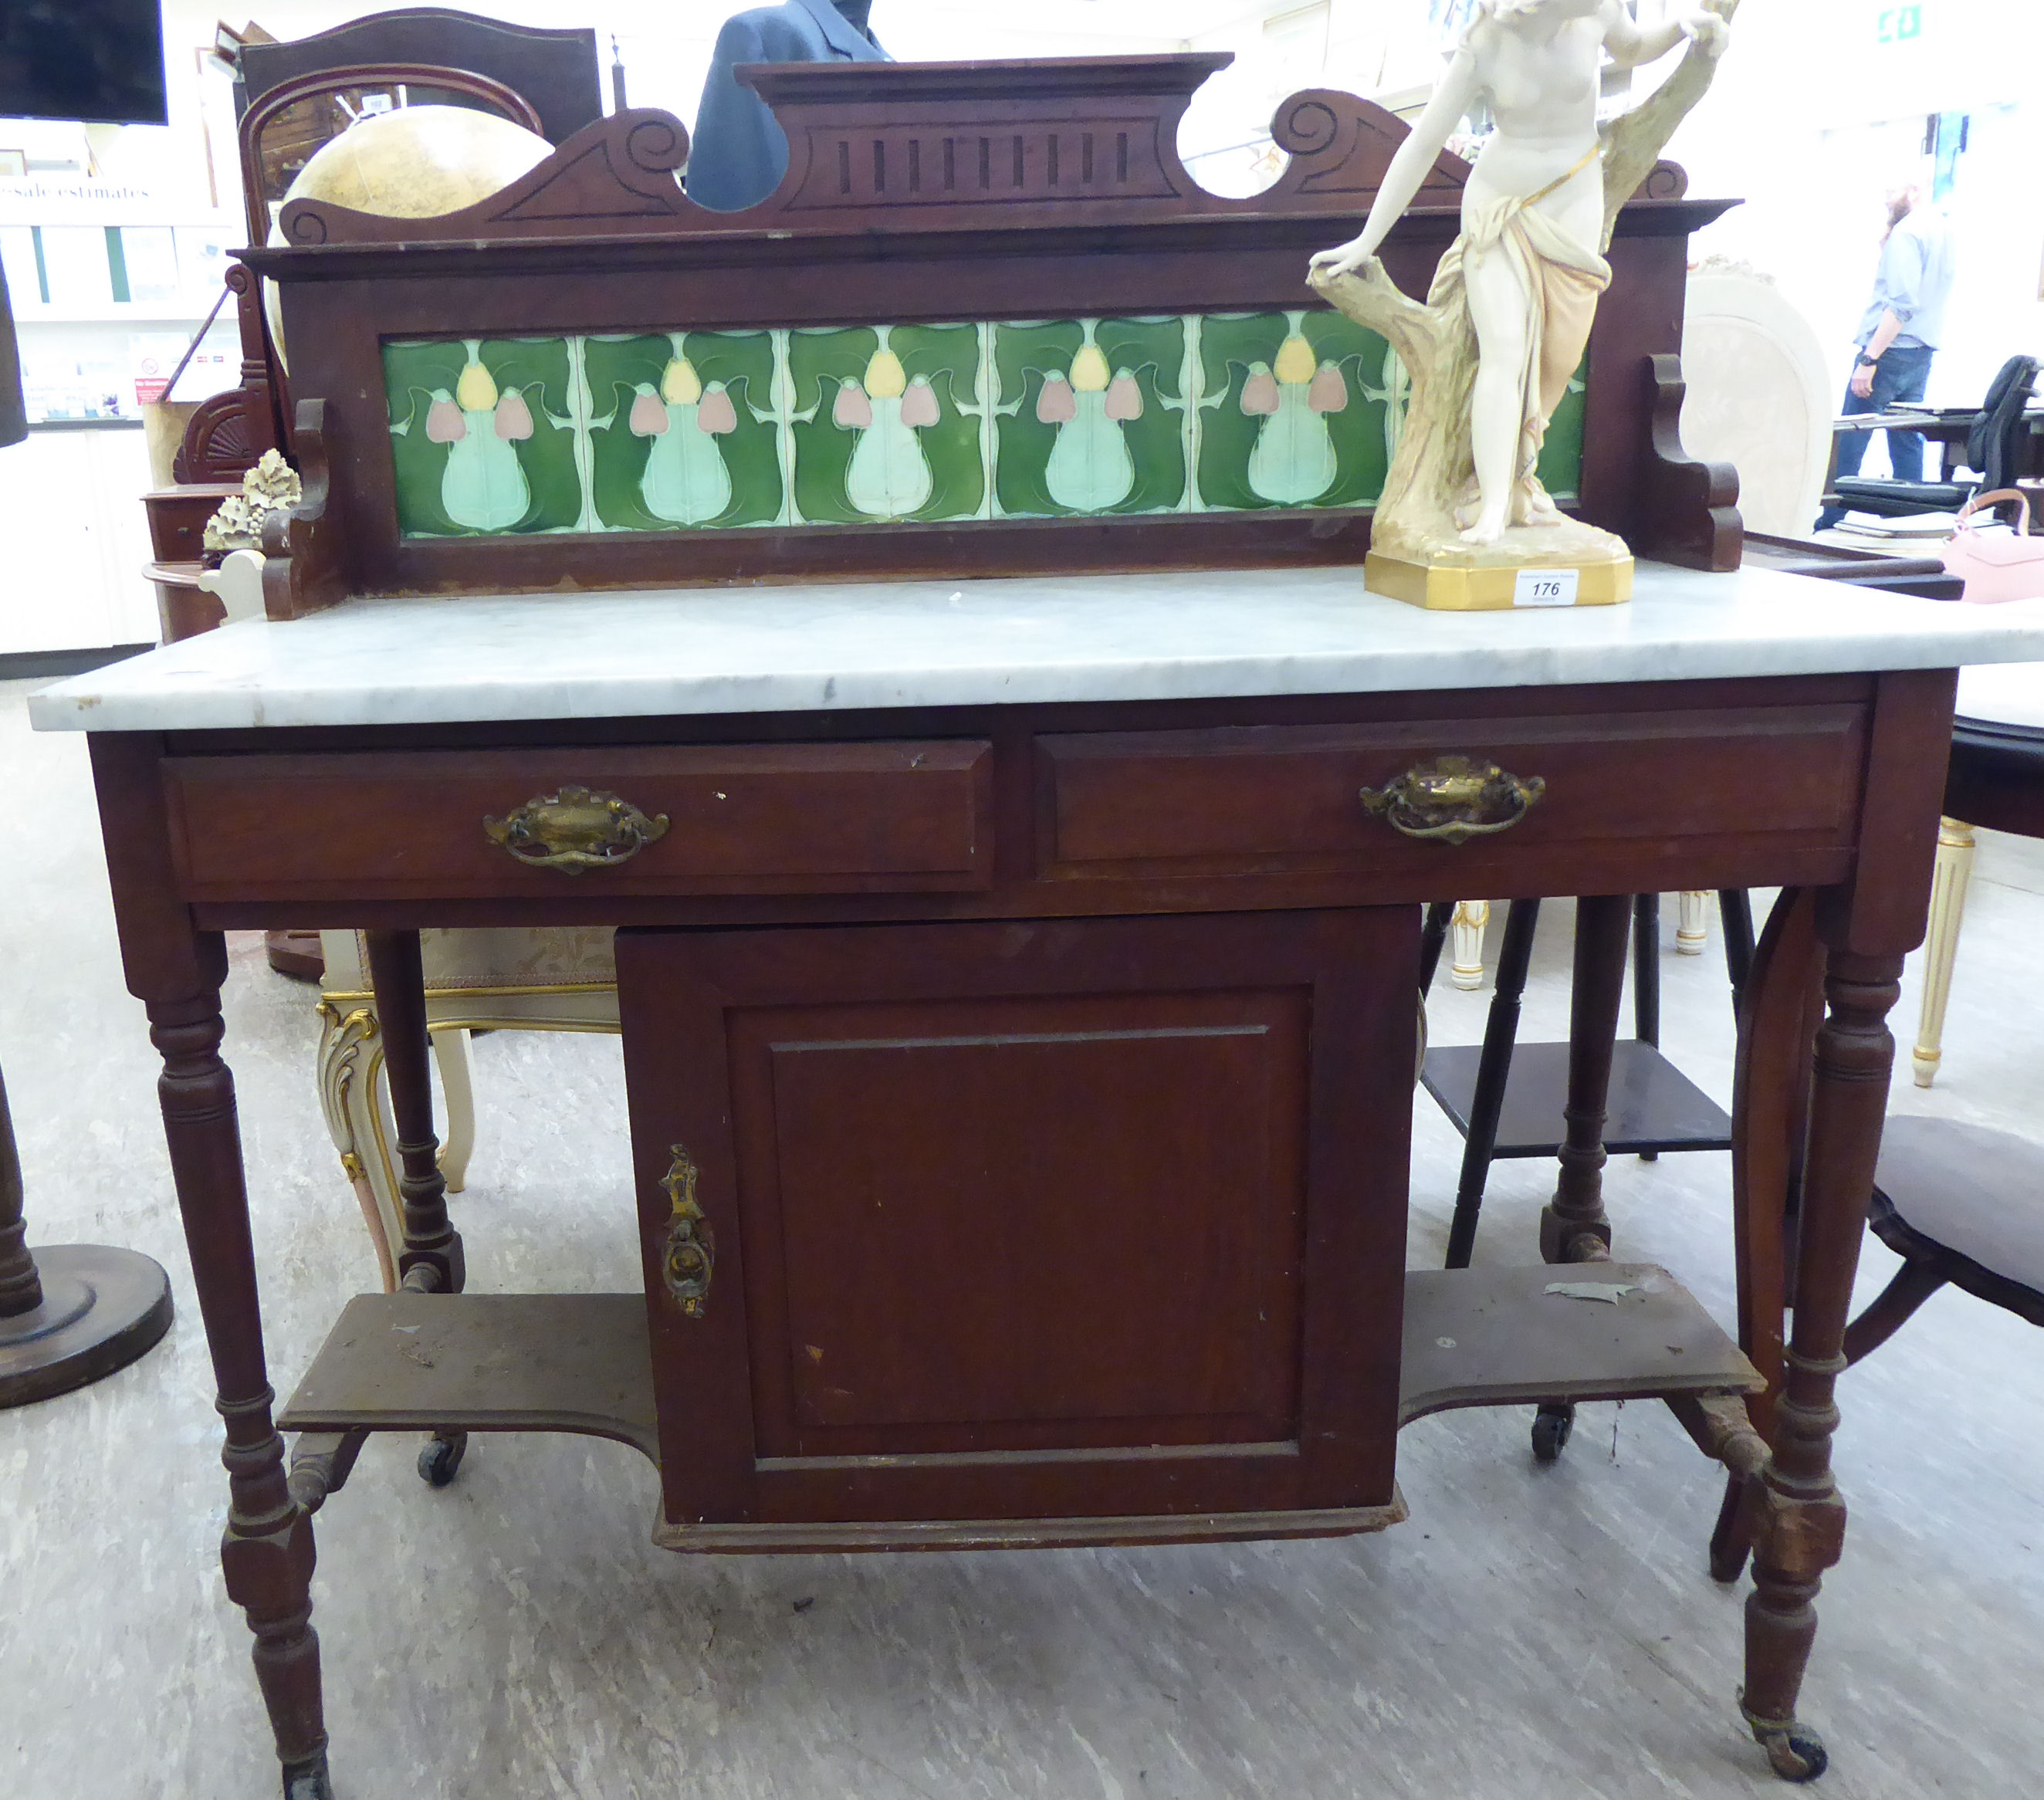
point(1996, 778)
point(2002, 693)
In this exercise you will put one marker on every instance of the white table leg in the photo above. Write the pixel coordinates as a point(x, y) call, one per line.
point(350, 1068)
point(1941, 948)
point(451, 1051)
point(1466, 970)
point(1692, 923)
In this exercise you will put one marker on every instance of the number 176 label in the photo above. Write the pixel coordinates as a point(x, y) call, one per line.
point(1545, 587)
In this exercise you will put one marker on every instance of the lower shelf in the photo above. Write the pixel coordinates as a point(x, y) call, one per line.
point(581, 1363)
point(484, 1362)
point(1498, 1337)
point(1654, 1106)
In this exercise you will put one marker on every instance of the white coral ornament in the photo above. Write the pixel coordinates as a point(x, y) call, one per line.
point(271, 486)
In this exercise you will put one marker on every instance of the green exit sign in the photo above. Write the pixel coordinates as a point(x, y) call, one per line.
point(1897, 24)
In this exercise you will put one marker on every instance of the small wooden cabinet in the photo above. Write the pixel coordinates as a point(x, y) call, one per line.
point(931, 1273)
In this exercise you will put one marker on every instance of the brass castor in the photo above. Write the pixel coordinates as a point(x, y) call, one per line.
point(307, 1779)
point(1552, 1427)
point(440, 1460)
point(1794, 1751)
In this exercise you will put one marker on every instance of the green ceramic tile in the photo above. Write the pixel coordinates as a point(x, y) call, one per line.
point(696, 431)
point(885, 424)
point(1561, 465)
point(1358, 389)
point(1090, 417)
point(1293, 410)
point(682, 430)
point(482, 435)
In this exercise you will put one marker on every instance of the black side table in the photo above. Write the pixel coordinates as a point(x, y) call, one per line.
point(79, 1313)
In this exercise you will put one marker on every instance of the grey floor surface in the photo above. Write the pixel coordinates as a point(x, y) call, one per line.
point(1529, 1633)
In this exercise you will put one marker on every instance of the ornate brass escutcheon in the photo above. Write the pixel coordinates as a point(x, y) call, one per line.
point(575, 830)
point(1453, 799)
point(689, 1260)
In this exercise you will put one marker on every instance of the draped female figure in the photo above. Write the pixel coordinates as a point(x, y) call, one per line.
point(1525, 274)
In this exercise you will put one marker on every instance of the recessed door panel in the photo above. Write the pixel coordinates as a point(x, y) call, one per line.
point(1001, 1222)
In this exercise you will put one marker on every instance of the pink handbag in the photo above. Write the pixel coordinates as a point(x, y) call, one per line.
point(1997, 568)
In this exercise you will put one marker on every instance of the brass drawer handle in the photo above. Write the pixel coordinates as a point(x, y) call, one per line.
point(575, 830)
point(1453, 799)
point(689, 1259)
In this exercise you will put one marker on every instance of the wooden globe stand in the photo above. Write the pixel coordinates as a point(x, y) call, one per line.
point(86, 1311)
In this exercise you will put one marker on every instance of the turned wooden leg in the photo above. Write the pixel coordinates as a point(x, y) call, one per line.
point(1646, 979)
point(1693, 922)
point(89, 1310)
point(1646, 968)
point(432, 1259)
point(1472, 919)
point(1574, 1228)
point(21, 1287)
point(1493, 1070)
point(1800, 1523)
point(1948, 907)
point(267, 1553)
point(1769, 1115)
point(1736, 910)
point(1433, 935)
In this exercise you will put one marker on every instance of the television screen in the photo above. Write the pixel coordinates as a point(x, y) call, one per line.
point(99, 60)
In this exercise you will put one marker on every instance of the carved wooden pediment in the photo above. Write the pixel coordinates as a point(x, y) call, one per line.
point(911, 147)
point(1340, 147)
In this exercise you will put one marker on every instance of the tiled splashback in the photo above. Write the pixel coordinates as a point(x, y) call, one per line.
point(693, 431)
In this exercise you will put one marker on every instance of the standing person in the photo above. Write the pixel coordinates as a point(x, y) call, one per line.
point(1904, 326)
point(738, 155)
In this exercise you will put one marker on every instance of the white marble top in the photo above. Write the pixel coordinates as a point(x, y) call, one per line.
point(836, 646)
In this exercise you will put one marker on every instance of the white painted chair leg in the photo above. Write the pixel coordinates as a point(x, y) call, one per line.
point(1948, 905)
point(458, 1143)
point(1471, 918)
point(1692, 923)
point(351, 1060)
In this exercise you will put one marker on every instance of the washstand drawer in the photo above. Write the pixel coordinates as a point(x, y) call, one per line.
point(736, 819)
point(1280, 795)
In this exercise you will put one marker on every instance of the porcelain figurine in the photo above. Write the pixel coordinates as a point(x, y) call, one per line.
point(1508, 316)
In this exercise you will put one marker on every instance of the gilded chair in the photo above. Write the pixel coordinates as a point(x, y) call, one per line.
point(1995, 782)
point(1471, 918)
point(558, 979)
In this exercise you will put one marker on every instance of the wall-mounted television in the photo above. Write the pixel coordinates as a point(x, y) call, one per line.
point(98, 60)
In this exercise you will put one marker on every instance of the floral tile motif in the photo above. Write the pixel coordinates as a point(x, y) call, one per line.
point(886, 423)
point(687, 431)
point(1298, 409)
point(484, 437)
point(1090, 417)
point(682, 431)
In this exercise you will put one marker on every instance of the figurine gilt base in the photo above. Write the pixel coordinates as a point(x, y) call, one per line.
point(1568, 564)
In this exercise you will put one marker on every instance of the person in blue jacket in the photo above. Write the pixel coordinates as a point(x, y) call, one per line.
point(738, 155)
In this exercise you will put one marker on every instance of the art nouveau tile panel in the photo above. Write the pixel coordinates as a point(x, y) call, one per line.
point(880, 424)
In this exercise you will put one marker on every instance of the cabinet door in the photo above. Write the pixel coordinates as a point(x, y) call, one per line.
point(1098, 1220)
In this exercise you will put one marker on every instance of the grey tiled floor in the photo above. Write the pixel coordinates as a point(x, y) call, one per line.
point(1528, 1633)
